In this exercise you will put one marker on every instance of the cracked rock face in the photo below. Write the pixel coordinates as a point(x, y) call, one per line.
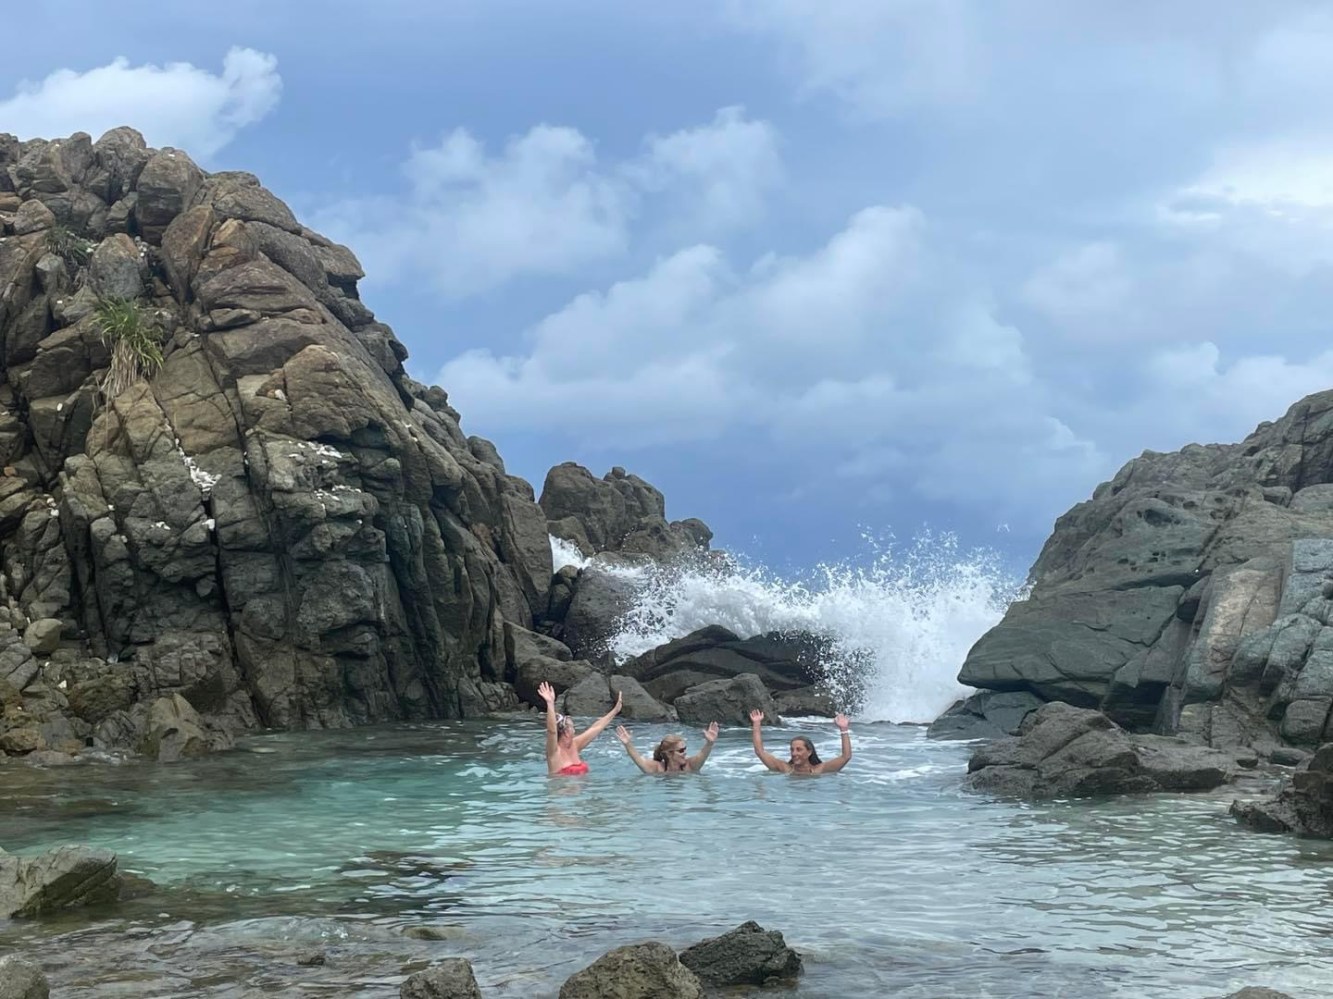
point(279, 525)
point(1192, 593)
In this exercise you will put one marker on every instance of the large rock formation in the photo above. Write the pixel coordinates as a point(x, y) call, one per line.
point(1192, 594)
point(1303, 805)
point(278, 525)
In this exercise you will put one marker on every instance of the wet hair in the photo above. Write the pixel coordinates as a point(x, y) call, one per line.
point(662, 753)
point(814, 755)
point(564, 723)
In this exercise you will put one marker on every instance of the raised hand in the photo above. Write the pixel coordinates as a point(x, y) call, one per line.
point(710, 733)
point(756, 716)
point(546, 692)
point(842, 722)
point(622, 733)
point(620, 702)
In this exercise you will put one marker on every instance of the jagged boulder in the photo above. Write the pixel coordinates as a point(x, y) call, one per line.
point(747, 955)
point(617, 513)
point(648, 970)
point(727, 702)
point(281, 527)
point(451, 978)
point(63, 878)
point(596, 693)
point(782, 662)
point(987, 714)
point(21, 979)
point(1189, 594)
point(1068, 752)
point(1303, 806)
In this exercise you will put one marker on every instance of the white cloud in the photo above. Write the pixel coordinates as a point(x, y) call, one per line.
point(546, 204)
point(1087, 282)
point(881, 57)
point(842, 358)
point(173, 105)
point(723, 170)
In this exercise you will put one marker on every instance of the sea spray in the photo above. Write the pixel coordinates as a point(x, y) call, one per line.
point(899, 624)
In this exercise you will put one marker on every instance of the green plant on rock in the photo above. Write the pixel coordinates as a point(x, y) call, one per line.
point(135, 341)
point(70, 247)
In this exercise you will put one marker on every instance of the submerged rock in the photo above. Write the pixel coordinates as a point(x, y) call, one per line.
point(747, 955)
point(1303, 805)
point(1068, 752)
point(648, 970)
point(21, 979)
point(63, 878)
point(451, 978)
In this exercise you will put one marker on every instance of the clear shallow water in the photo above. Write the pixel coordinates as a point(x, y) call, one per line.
point(888, 878)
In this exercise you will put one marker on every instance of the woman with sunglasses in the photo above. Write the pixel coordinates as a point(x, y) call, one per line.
point(804, 757)
point(563, 744)
point(669, 756)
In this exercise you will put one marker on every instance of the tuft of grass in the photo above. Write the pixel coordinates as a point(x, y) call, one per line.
point(73, 249)
point(135, 341)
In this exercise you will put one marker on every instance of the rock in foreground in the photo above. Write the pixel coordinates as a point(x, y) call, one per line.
point(747, 955)
point(63, 878)
point(21, 979)
point(1304, 805)
point(451, 978)
point(648, 970)
point(1068, 752)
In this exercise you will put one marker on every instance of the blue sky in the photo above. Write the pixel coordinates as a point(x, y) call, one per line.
point(811, 268)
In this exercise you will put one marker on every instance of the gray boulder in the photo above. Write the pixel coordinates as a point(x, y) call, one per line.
point(1068, 752)
point(42, 637)
point(1302, 806)
point(618, 513)
point(648, 970)
point(63, 878)
point(603, 593)
point(805, 702)
point(451, 978)
point(727, 702)
point(596, 693)
point(21, 979)
point(987, 714)
point(783, 662)
point(747, 955)
point(1189, 594)
point(1257, 992)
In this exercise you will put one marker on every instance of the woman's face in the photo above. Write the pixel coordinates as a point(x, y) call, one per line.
point(675, 754)
point(800, 755)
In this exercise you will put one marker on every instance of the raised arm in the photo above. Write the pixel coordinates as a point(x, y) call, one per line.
point(595, 729)
point(710, 737)
point(837, 763)
point(547, 693)
point(769, 760)
point(627, 740)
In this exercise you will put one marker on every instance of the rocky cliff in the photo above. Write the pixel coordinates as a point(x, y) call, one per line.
point(274, 522)
point(1193, 593)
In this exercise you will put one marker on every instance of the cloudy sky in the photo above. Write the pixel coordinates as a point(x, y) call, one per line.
point(813, 268)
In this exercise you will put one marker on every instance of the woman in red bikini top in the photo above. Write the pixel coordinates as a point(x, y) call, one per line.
point(562, 744)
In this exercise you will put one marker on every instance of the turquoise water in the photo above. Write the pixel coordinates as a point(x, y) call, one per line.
point(389, 847)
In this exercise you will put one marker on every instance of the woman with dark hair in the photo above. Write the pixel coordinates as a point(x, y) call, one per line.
point(804, 758)
point(669, 756)
point(563, 744)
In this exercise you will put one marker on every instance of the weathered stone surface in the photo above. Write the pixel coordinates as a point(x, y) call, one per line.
point(1190, 594)
point(1068, 752)
point(66, 877)
point(1304, 804)
point(451, 978)
point(639, 971)
point(276, 528)
point(747, 955)
point(727, 702)
point(782, 662)
point(987, 714)
point(1257, 992)
point(617, 513)
point(22, 979)
point(43, 636)
point(603, 593)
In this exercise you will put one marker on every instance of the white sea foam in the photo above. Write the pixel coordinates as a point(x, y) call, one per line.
point(565, 553)
point(899, 623)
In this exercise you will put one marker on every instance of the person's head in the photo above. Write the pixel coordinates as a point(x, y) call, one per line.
point(564, 729)
point(670, 752)
point(803, 753)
